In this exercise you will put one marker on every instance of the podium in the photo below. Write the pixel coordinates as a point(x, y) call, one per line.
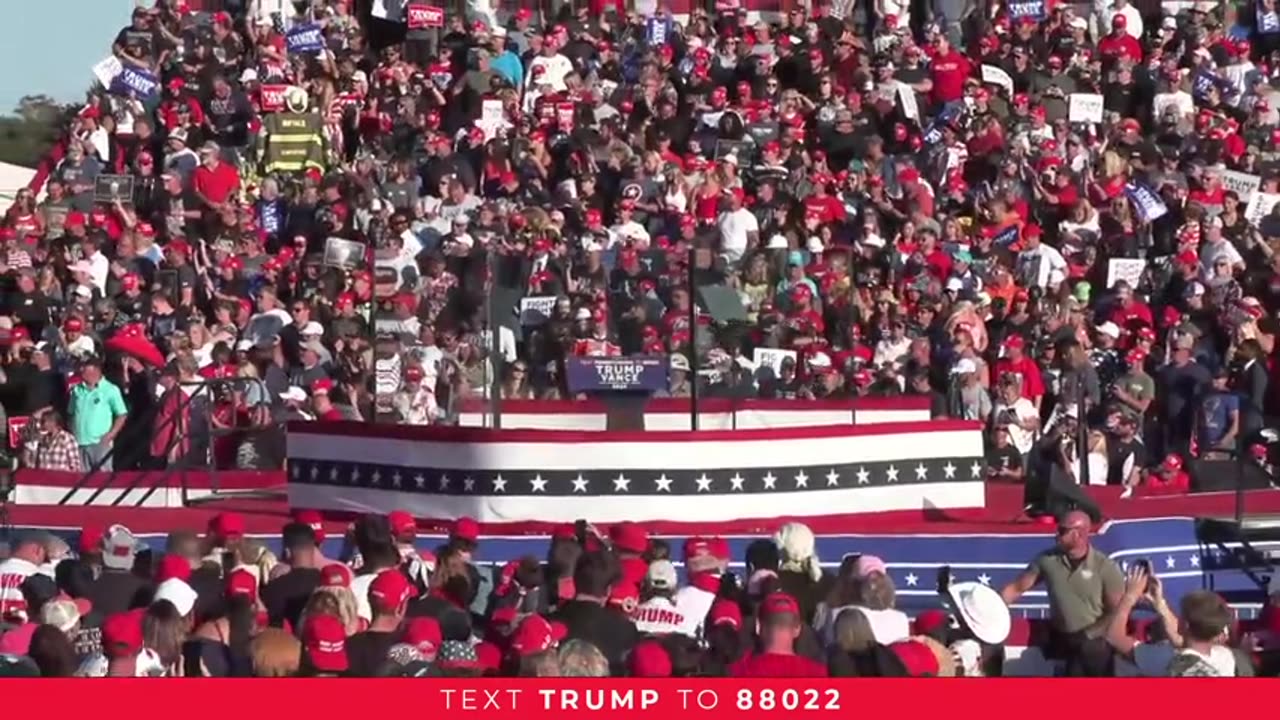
point(622, 384)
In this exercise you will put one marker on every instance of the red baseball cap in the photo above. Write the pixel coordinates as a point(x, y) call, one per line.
point(402, 523)
point(1014, 341)
point(725, 612)
point(536, 634)
point(649, 659)
point(916, 657)
point(122, 634)
point(173, 566)
point(779, 603)
point(90, 538)
point(312, 519)
point(325, 641)
point(227, 525)
point(242, 583)
point(465, 528)
point(929, 620)
point(424, 633)
point(73, 324)
point(335, 575)
point(389, 591)
point(1172, 462)
point(629, 537)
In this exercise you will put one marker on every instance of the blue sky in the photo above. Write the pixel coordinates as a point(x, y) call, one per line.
point(53, 44)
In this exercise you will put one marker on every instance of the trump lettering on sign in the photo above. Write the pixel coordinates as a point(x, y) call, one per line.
point(421, 17)
point(635, 374)
point(273, 97)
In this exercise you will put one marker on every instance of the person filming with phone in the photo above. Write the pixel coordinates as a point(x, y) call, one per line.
point(1194, 644)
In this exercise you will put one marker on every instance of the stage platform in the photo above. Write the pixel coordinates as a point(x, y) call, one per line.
point(989, 545)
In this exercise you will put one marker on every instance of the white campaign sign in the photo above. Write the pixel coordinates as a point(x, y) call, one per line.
point(1127, 269)
point(1260, 206)
point(536, 310)
point(491, 118)
point(907, 96)
point(107, 70)
point(1243, 185)
point(1085, 107)
point(772, 358)
point(997, 76)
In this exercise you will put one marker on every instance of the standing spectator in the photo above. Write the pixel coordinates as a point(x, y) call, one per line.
point(98, 413)
point(779, 626)
point(1084, 586)
point(53, 447)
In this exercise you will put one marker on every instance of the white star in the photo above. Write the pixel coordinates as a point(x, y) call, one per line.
point(499, 484)
point(468, 484)
point(975, 469)
point(539, 485)
point(664, 483)
point(580, 484)
point(377, 477)
point(315, 470)
point(419, 480)
point(802, 480)
point(355, 474)
point(295, 471)
point(1195, 561)
point(922, 472)
point(704, 483)
point(911, 579)
point(864, 477)
point(892, 474)
point(769, 481)
point(1169, 562)
point(396, 477)
point(949, 470)
point(985, 579)
point(333, 473)
point(736, 481)
point(833, 478)
point(444, 481)
point(622, 483)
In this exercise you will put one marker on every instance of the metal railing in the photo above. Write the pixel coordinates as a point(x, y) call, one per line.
point(178, 427)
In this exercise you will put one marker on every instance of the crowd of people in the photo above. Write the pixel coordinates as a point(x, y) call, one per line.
point(1054, 219)
point(1059, 220)
point(598, 605)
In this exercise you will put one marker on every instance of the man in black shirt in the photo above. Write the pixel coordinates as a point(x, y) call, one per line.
point(285, 596)
point(588, 618)
point(389, 595)
point(1004, 462)
point(117, 589)
point(1126, 455)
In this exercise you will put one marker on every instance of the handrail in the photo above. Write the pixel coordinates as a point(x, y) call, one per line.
point(162, 474)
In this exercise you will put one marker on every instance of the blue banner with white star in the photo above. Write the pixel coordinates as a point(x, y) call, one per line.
point(714, 476)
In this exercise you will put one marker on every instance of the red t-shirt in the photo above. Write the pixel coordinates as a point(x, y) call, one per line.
point(828, 208)
point(1179, 484)
point(1121, 46)
point(949, 72)
point(1032, 382)
point(777, 665)
point(216, 184)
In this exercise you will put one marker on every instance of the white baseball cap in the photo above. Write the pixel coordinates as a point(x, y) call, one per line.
point(178, 592)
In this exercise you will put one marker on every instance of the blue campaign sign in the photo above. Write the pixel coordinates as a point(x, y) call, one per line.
point(1268, 22)
point(1007, 236)
point(657, 31)
point(305, 39)
point(949, 112)
point(1027, 8)
point(139, 83)
point(613, 374)
point(1146, 201)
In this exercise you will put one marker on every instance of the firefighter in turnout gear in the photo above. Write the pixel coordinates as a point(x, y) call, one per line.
point(294, 137)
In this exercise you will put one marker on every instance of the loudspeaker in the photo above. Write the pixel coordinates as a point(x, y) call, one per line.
point(1221, 475)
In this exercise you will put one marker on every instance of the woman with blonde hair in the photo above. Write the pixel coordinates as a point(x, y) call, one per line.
point(275, 653)
point(339, 602)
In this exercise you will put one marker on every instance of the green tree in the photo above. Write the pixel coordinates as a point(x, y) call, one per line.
point(27, 133)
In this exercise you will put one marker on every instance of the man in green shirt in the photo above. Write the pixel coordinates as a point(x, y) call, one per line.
point(97, 414)
point(1084, 587)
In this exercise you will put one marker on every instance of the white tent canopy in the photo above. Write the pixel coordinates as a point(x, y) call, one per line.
point(12, 179)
